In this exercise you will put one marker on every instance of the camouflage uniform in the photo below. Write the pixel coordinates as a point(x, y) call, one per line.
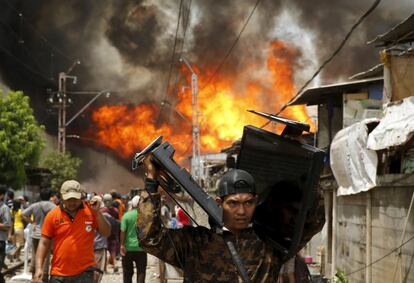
point(203, 254)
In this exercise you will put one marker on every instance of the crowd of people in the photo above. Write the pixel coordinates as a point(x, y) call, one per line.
point(103, 226)
point(77, 237)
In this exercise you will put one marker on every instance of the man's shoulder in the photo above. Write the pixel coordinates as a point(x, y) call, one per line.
point(54, 211)
point(4, 208)
point(52, 218)
point(132, 214)
point(47, 204)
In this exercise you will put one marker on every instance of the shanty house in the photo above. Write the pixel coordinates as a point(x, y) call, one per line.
point(367, 124)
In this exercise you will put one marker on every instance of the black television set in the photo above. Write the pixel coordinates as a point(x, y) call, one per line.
point(286, 172)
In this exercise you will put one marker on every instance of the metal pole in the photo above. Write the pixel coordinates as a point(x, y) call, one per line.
point(86, 106)
point(334, 215)
point(194, 128)
point(62, 112)
point(198, 127)
point(196, 164)
point(64, 118)
point(368, 256)
point(62, 106)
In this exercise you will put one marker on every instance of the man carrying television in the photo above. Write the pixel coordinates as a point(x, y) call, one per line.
point(202, 253)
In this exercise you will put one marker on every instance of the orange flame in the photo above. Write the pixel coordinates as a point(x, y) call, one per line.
point(127, 129)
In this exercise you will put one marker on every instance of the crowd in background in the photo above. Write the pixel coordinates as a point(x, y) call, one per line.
point(25, 220)
point(121, 248)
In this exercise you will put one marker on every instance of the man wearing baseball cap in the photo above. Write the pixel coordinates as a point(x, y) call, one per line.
point(204, 254)
point(71, 226)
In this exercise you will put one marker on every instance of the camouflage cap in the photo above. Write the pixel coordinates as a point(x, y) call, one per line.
point(236, 181)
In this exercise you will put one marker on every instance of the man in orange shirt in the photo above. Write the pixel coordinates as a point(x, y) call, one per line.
point(71, 226)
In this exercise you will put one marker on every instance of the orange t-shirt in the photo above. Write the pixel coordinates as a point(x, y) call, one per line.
point(121, 208)
point(73, 240)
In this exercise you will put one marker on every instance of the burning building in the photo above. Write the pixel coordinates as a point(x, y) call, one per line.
point(133, 49)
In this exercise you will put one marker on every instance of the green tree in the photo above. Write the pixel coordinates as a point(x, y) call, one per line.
point(21, 139)
point(63, 167)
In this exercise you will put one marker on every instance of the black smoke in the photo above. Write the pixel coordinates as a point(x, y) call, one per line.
point(126, 46)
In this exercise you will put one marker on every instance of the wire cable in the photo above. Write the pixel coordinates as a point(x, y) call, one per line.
point(23, 47)
point(337, 50)
point(379, 259)
point(173, 52)
point(232, 46)
point(402, 238)
point(170, 194)
point(40, 35)
point(184, 14)
point(23, 64)
point(185, 17)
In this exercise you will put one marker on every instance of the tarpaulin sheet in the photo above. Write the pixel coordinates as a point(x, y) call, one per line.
point(395, 128)
point(353, 165)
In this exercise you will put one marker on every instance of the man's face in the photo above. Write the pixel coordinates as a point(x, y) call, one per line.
point(54, 199)
point(238, 210)
point(72, 204)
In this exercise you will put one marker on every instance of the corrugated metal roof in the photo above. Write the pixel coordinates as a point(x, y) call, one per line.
point(374, 72)
point(401, 33)
point(318, 95)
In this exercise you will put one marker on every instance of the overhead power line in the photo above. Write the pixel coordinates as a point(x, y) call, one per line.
point(337, 50)
point(185, 18)
point(23, 46)
point(23, 63)
point(232, 46)
point(39, 34)
point(173, 51)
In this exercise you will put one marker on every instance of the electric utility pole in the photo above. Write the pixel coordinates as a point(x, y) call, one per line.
point(196, 162)
point(62, 113)
point(62, 104)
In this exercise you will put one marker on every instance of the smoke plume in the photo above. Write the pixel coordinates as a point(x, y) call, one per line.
point(127, 46)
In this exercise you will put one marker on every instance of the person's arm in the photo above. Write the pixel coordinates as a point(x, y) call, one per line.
point(291, 277)
point(148, 223)
point(104, 228)
point(6, 219)
point(27, 219)
point(42, 250)
point(4, 227)
point(122, 242)
point(27, 213)
point(122, 236)
point(167, 244)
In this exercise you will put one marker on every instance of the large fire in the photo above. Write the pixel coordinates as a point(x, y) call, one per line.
point(127, 129)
